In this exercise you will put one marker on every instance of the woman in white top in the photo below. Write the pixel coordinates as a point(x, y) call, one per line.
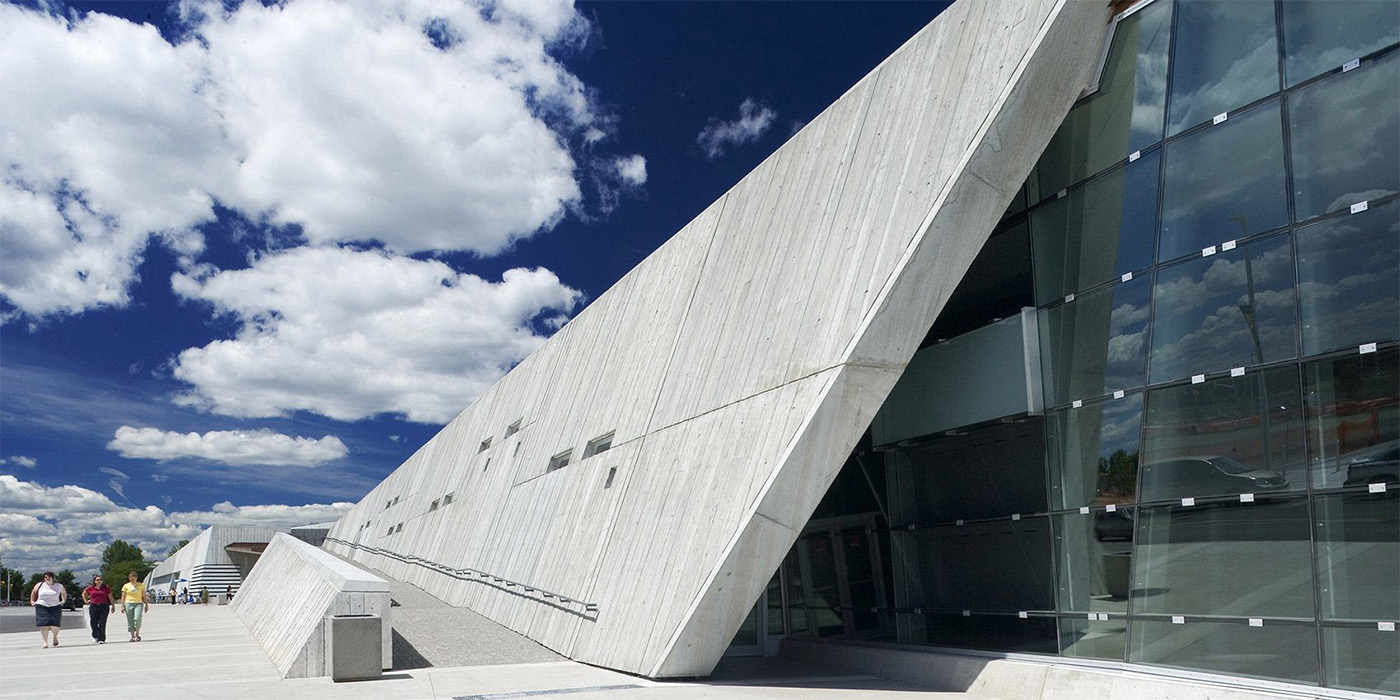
point(47, 598)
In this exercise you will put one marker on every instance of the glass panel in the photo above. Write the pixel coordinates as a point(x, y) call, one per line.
point(823, 589)
point(990, 632)
point(1225, 182)
point(1092, 639)
point(1362, 658)
point(1004, 565)
point(1353, 414)
point(1095, 552)
point(1123, 116)
point(1347, 270)
point(1228, 310)
point(1093, 453)
point(1345, 133)
point(1276, 651)
point(747, 636)
point(1226, 57)
point(863, 580)
point(1098, 231)
point(1358, 555)
point(1231, 558)
point(1226, 436)
point(1096, 344)
point(993, 471)
point(773, 598)
point(1320, 35)
point(997, 285)
point(799, 621)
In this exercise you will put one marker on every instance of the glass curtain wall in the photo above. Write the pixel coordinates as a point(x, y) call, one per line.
point(1215, 257)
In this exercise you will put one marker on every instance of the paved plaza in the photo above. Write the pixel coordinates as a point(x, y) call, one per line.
point(205, 653)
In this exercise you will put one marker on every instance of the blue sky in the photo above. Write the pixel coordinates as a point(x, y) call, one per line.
point(253, 256)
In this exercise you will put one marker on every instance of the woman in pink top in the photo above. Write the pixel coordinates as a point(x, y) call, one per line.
point(47, 598)
point(98, 598)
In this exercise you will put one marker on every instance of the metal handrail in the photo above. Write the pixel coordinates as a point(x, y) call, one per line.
point(528, 591)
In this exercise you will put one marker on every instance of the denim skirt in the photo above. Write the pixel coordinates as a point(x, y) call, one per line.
point(48, 615)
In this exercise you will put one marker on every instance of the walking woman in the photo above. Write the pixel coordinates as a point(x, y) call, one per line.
point(98, 598)
point(135, 601)
point(48, 598)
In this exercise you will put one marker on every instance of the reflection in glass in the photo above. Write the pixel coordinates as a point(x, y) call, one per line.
point(1232, 309)
point(1362, 658)
point(989, 632)
point(1345, 133)
point(1358, 555)
point(1226, 436)
point(990, 472)
point(1230, 558)
point(1347, 272)
point(1275, 651)
point(1093, 453)
point(1123, 116)
point(1003, 565)
point(1092, 639)
point(1095, 552)
point(1353, 414)
point(1096, 344)
point(1098, 231)
point(1226, 57)
point(1321, 35)
point(1224, 183)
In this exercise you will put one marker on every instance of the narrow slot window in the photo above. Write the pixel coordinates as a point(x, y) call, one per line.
point(485, 445)
point(559, 461)
point(447, 500)
point(597, 445)
point(435, 505)
point(513, 428)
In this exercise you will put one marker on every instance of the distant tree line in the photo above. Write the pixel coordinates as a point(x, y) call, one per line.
point(118, 559)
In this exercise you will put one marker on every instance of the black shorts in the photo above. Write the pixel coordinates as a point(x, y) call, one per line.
point(48, 615)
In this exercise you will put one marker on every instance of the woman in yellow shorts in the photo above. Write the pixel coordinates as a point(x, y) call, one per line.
point(135, 601)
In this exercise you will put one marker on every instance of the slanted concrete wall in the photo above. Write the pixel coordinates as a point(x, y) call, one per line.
point(289, 596)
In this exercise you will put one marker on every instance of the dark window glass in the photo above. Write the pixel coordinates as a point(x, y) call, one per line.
point(1347, 272)
point(1226, 57)
point(1224, 183)
point(1232, 309)
point(1003, 565)
point(1226, 436)
point(1362, 658)
point(1093, 453)
point(1345, 133)
point(1320, 35)
point(1358, 555)
point(1123, 116)
point(990, 632)
point(1018, 203)
point(1095, 554)
point(1224, 558)
point(1098, 231)
point(1353, 415)
point(997, 285)
point(1095, 344)
point(1275, 651)
point(1092, 639)
point(990, 472)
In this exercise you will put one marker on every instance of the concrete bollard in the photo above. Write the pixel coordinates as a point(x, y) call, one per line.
point(353, 650)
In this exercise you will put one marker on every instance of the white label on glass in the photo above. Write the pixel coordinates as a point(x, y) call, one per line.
point(918, 611)
point(1022, 615)
point(1256, 622)
point(1110, 507)
point(1350, 65)
point(1076, 404)
point(1385, 626)
point(911, 526)
point(1359, 207)
point(1083, 510)
point(1061, 193)
point(1118, 394)
point(1015, 516)
point(1178, 620)
point(1246, 498)
point(1198, 378)
point(1237, 372)
point(967, 613)
point(1069, 298)
point(1220, 117)
point(1093, 616)
point(1368, 348)
point(1227, 245)
point(960, 522)
point(1207, 251)
point(1134, 156)
point(1188, 501)
point(1375, 488)
point(1127, 276)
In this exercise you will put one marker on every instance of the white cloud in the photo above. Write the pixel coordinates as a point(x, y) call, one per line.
point(422, 124)
point(20, 461)
point(719, 136)
point(233, 447)
point(352, 334)
point(632, 169)
point(68, 526)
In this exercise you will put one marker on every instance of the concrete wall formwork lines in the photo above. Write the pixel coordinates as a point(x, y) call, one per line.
point(740, 362)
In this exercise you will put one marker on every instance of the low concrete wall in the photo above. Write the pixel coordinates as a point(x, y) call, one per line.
point(1022, 679)
point(292, 592)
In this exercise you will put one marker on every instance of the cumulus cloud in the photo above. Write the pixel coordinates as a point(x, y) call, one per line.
point(719, 136)
point(632, 169)
point(68, 526)
point(352, 334)
point(419, 124)
point(232, 447)
point(20, 461)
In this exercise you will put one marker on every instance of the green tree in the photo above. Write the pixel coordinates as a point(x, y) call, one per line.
point(177, 548)
point(121, 558)
point(70, 583)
